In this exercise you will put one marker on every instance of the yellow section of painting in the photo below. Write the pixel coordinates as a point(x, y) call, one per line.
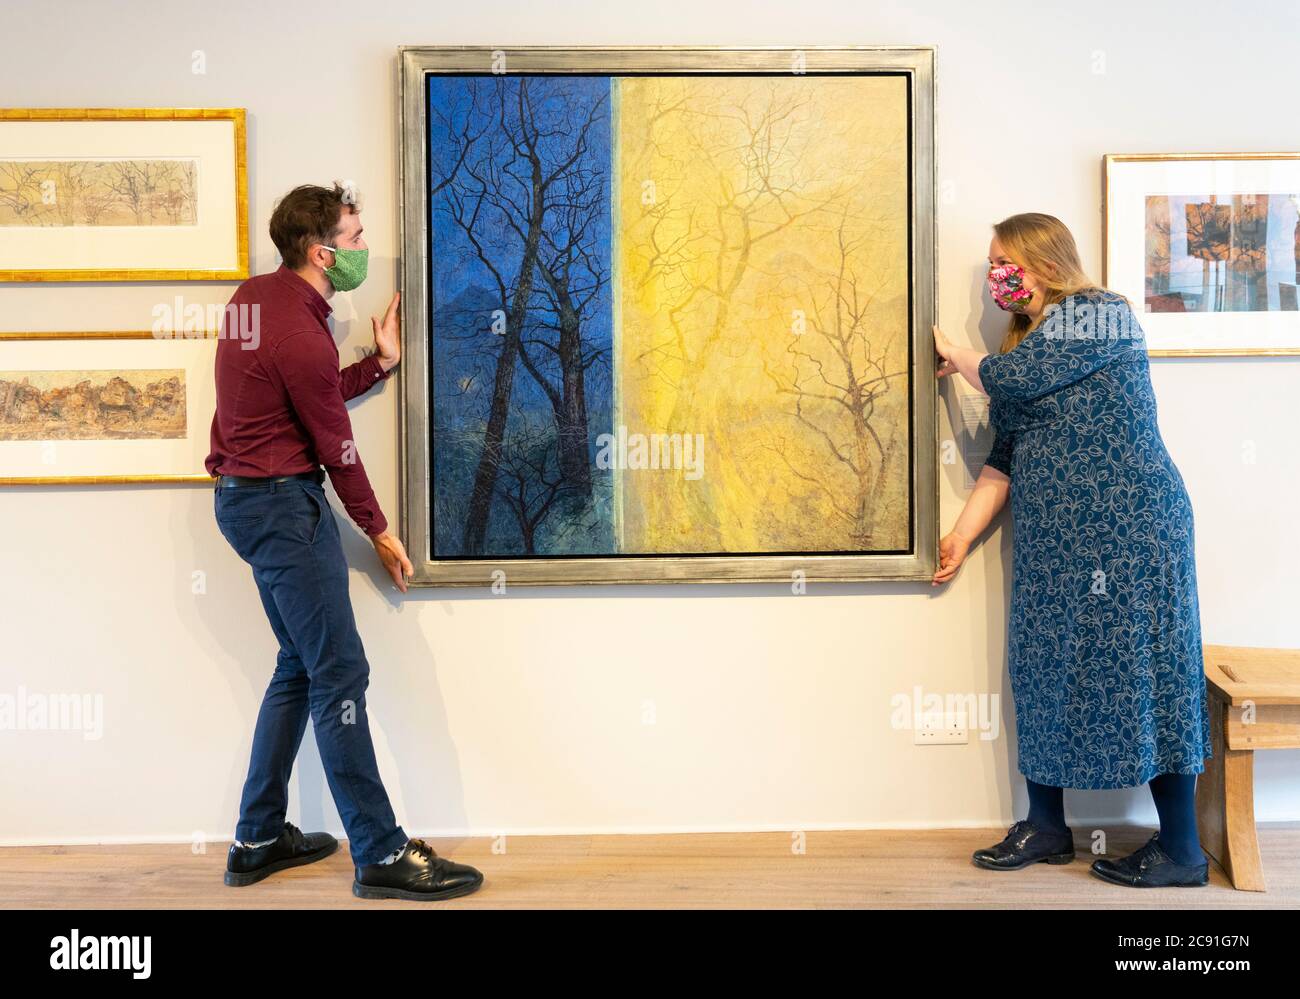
point(762, 261)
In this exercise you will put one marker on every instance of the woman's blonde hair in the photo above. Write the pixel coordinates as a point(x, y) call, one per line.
point(1042, 244)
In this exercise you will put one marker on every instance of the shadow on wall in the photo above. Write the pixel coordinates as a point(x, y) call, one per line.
point(988, 640)
point(416, 755)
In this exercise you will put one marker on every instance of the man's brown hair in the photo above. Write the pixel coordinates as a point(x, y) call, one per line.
point(306, 215)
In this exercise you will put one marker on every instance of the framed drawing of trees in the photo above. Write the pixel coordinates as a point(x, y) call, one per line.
point(123, 194)
point(667, 314)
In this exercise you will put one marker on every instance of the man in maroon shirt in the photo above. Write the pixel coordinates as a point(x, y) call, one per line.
point(280, 417)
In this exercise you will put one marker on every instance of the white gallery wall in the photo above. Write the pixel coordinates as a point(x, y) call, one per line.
point(619, 708)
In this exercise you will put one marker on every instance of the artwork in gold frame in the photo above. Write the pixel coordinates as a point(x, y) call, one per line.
point(104, 408)
point(1208, 246)
point(123, 194)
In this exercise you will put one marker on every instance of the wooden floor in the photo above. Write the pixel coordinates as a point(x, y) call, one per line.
point(888, 869)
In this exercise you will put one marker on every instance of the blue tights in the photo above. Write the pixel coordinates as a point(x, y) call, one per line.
point(1175, 799)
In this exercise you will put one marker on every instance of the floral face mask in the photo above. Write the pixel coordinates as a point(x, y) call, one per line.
point(1007, 286)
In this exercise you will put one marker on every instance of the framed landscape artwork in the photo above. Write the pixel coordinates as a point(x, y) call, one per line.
point(123, 194)
point(1207, 247)
point(668, 314)
point(104, 408)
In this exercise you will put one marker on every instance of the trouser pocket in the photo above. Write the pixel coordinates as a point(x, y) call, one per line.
point(319, 510)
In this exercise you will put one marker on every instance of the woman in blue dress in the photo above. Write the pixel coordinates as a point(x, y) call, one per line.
point(1104, 643)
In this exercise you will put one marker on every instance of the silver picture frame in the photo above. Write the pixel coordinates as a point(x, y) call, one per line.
point(416, 63)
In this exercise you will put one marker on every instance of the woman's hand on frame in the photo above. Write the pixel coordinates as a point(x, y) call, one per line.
point(952, 553)
point(943, 348)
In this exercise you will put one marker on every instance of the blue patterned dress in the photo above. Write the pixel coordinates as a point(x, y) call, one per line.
point(1104, 642)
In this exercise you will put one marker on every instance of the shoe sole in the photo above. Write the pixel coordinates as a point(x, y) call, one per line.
point(378, 891)
point(1129, 884)
point(243, 880)
point(1054, 859)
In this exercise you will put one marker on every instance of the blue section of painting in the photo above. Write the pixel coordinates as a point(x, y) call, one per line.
point(521, 325)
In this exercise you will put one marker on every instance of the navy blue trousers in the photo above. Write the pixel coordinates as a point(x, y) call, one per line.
point(287, 533)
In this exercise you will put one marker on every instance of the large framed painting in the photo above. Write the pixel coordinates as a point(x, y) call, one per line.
point(105, 408)
point(668, 314)
point(1208, 246)
point(123, 194)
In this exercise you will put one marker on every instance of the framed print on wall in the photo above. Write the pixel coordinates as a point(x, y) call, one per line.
point(105, 408)
point(1207, 245)
point(668, 314)
point(123, 194)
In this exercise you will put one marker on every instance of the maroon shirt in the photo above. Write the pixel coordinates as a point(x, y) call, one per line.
point(280, 406)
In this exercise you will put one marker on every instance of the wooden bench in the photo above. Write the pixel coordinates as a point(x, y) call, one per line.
point(1254, 702)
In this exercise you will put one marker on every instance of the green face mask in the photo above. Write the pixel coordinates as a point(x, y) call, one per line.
point(349, 268)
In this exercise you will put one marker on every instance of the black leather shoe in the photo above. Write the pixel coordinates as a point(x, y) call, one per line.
point(1151, 867)
point(1027, 844)
point(246, 865)
point(418, 874)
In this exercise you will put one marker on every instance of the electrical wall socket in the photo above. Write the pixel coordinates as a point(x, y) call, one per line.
point(940, 730)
